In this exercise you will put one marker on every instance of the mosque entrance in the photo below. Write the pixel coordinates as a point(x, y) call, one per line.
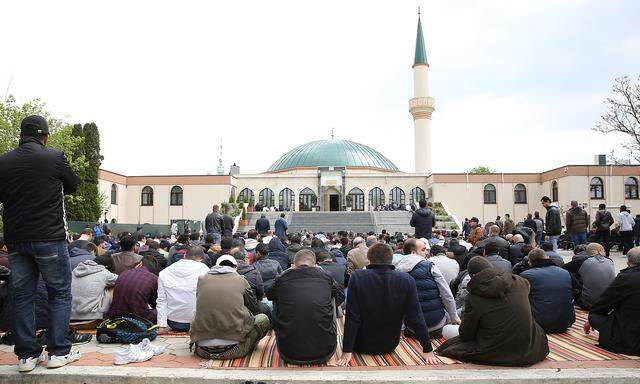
point(334, 202)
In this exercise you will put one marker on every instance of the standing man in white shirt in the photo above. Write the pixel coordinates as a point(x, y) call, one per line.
point(177, 284)
point(625, 227)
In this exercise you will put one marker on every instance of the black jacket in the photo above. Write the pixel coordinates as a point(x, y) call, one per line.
point(253, 277)
point(304, 314)
point(423, 221)
point(554, 223)
point(263, 225)
point(213, 223)
point(621, 302)
point(33, 182)
point(380, 299)
point(227, 226)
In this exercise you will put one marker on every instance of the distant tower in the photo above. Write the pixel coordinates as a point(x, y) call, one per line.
point(220, 165)
point(421, 106)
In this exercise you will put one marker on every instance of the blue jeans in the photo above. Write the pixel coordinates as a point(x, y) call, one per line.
point(178, 327)
point(29, 260)
point(217, 237)
point(554, 241)
point(578, 238)
point(538, 238)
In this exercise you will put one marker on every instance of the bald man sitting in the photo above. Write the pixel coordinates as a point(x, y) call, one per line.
point(615, 314)
point(591, 275)
point(304, 299)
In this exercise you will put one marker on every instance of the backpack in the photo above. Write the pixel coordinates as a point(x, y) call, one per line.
point(126, 329)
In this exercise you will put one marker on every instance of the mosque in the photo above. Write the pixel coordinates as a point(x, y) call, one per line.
point(342, 175)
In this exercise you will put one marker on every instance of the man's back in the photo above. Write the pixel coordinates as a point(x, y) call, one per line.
point(380, 298)
point(135, 290)
point(177, 290)
point(449, 267)
point(34, 179)
point(262, 225)
point(281, 227)
point(423, 221)
point(227, 225)
point(357, 258)
point(213, 223)
point(304, 319)
point(550, 296)
point(597, 273)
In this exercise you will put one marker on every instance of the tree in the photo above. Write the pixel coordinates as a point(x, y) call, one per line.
point(480, 169)
point(623, 114)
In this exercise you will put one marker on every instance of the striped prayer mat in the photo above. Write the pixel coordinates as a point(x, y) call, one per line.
point(573, 345)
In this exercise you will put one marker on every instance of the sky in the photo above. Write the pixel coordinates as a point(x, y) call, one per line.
point(518, 85)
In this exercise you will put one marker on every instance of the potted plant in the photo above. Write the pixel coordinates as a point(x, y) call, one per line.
point(349, 199)
point(243, 219)
point(251, 202)
point(314, 202)
point(232, 199)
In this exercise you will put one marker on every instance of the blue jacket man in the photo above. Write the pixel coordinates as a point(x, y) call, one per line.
point(262, 225)
point(281, 226)
point(550, 294)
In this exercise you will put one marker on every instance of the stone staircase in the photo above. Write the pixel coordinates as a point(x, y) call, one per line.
point(359, 222)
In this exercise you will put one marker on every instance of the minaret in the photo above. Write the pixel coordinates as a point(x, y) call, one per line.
point(421, 106)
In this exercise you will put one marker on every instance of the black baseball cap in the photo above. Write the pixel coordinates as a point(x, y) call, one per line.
point(34, 125)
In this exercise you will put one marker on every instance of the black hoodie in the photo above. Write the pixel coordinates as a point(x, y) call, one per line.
point(423, 221)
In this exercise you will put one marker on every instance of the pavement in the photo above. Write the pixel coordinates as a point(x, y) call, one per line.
point(178, 365)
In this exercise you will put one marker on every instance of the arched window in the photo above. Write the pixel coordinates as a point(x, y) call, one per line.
point(396, 196)
point(266, 198)
point(489, 194)
point(307, 200)
point(554, 191)
point(376, 198)
point(285, 200)
point(357, 199)
point(146, 198)
point(417, 194)
point(631, 188)
point(597, 188)
point(176, 195)
point(114, 194)
point(520, 194)
point(246, 195)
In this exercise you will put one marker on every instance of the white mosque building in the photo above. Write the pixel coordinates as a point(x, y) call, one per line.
point(336, 175)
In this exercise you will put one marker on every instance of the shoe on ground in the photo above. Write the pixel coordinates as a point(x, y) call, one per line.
point(61, 361)
point(146, 345)
point(79, 338)
point(28, 365)
point(132, 354)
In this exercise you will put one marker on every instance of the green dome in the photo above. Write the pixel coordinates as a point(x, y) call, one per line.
point(332, 153)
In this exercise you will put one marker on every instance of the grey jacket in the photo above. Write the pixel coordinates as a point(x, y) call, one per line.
point(499, 263)
point(269, 270)
point(89, 290)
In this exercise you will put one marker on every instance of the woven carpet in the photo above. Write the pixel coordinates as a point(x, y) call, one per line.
point(573, 345)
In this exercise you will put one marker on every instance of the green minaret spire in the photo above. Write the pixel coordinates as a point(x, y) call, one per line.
point(421, 53)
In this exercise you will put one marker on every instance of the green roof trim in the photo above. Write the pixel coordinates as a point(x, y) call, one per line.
point(332, 153)
point(421, 53)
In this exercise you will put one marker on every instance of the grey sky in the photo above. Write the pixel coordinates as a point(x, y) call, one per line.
point(517, 84)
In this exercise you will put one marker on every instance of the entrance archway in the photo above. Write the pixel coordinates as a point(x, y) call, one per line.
point(332, 199)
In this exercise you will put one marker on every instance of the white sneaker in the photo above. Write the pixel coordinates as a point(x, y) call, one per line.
point(146, 345)
point(61, 361)
point(28, 365)
point(132, 354)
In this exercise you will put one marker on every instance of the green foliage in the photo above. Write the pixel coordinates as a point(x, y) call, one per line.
point(232, 199)
point(244, 213)
point(349, 199)
point(480, 170)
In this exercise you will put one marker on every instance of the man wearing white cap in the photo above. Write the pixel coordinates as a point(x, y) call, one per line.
point(227, 324)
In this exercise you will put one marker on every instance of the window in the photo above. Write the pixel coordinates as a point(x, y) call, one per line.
point(147, 196)
point(554, 191)
point(376, 198)
point(520, 194)
point(396, 196)
point(285, 200)
point(114, 194)
point(631, 188)
point(307, 200)
point(489, 194)
point(357, 199)
point(176, 195)
point(417, 194)
point(266, 198)
point(246, 195)
point(597, 188)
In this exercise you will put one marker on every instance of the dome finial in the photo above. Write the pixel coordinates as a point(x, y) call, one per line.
point(332, 132)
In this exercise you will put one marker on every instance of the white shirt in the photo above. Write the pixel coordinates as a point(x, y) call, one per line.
point(625, 222)
point(449, 267)
point(177, 291)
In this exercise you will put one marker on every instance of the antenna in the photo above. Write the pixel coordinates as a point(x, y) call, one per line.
point(220, 165)
point(332, 133)
point(418, 9)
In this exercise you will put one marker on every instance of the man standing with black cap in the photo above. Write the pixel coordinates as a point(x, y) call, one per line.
point(33, 182)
